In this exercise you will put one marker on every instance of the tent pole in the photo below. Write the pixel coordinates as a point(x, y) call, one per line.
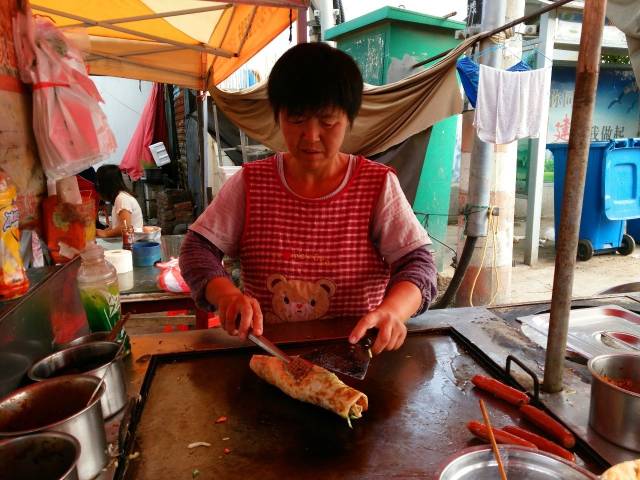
point(217, 127)
point(139, 64)
point(579, 142)
point(139, 53)
point(246, 32)
point(97, 23)
point(302, 25)
point(203, 137)
point(153, 16)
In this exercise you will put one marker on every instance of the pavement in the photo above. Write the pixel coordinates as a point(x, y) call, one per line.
point(535, 283)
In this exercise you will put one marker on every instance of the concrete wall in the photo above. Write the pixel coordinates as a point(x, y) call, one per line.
point(547, 203)
point(124, 101)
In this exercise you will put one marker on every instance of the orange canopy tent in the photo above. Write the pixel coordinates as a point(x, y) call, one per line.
point(191, 43)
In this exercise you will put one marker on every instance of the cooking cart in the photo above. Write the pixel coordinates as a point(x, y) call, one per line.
point(420, 400)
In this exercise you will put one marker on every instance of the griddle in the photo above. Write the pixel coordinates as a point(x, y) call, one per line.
point(420, 399)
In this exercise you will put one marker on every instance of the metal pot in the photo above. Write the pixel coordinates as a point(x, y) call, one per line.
point(14, 366)
point(479, 463)
point(100, 359)
point(60, 405)
point(92, 337)
point(45, 456)
point(615, 412)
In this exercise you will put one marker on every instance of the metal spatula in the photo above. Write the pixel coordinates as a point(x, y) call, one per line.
point(344, 357)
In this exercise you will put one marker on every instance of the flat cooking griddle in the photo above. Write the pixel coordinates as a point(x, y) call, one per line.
point(420, 399)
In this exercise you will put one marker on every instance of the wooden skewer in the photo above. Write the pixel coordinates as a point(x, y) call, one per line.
point(115, 331)
point(494, 445)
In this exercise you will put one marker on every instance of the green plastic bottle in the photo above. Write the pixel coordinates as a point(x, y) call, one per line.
point(99, 292)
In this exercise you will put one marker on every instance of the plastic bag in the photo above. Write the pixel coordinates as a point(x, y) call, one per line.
point(170, 279)
point(70, 128)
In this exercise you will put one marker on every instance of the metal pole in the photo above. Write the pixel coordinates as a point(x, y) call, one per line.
point(579, 139)
point(493, 14)
point(501, 28)
point(302, 25)
point(203, 140)
point(217, 127)
point(538, 147)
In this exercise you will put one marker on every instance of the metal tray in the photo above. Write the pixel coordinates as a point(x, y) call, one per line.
point(420, 399)
point(592, 331)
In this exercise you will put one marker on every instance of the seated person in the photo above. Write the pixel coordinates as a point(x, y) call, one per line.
point(112, 189)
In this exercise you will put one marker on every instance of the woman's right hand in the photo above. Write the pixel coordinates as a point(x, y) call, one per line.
point(239, 313)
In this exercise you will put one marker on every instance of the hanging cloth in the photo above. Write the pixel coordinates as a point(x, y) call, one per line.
point(469, 72)
point(390, 113)
point(510, 104)
point(137, 155)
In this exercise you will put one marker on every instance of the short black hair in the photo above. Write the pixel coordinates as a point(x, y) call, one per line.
point(310, 77)
point(109, 182)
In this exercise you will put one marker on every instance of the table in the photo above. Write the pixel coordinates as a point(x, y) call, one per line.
point(144, 295)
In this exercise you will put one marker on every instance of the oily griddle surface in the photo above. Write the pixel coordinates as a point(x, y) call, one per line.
point(420, 399)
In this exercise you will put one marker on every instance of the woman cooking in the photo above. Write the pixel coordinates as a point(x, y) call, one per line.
point(319, 233)
point(125, 207)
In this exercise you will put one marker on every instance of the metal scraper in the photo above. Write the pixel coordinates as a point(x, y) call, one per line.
point(344, 357)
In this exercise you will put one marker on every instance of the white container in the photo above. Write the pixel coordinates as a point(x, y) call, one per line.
point(159, 154)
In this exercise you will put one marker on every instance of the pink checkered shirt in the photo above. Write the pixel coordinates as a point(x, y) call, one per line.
point(305, 259)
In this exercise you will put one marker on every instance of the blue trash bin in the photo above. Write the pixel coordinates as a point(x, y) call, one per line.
point(611, 195)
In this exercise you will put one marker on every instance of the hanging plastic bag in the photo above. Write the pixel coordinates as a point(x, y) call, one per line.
point(70, 128)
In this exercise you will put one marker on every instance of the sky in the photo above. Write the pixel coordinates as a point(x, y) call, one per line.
point(356, 8)
point(262, 62)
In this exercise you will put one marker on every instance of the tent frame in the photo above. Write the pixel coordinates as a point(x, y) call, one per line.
point(153, 16)
point(104, 24)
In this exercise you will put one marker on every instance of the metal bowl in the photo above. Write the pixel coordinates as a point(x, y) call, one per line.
point(478, 463)
point(615, 412)
point(100, 359)
point(60, 405)
point(45, 456)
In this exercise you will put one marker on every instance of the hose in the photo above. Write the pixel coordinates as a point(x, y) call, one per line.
point(456, 281)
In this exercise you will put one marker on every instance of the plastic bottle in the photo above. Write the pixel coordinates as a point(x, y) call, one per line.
point(13, 279)
point(99, 292)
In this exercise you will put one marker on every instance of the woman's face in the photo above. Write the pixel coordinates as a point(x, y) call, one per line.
point(314, 139)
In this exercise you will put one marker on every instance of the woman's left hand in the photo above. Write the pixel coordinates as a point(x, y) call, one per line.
point(391, 330)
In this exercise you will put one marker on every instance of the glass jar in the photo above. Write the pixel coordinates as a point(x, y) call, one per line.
point(99, 292)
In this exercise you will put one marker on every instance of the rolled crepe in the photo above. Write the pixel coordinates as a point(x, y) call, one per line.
point(623, 471)
point(311, 383)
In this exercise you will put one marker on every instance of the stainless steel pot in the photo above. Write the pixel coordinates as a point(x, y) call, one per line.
point(100, 359)
point(60, 405)
point(45, 456)
point(615, 412)
point(478, 463)
point(92, 337)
